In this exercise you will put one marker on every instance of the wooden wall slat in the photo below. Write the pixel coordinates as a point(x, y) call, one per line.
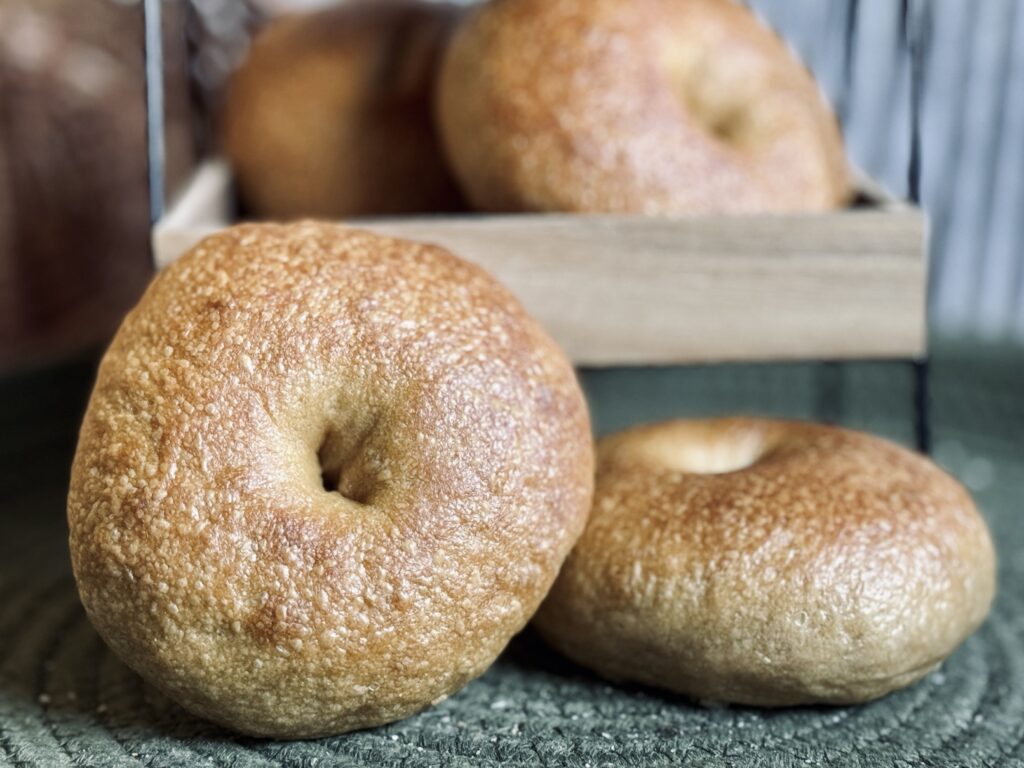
point(972, 136)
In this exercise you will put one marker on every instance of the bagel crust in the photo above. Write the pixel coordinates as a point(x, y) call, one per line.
point(770, 563)
point(647, 106)
point(331, 113)
point(268, 366)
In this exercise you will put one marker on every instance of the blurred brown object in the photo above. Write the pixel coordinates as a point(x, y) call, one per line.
point(331, 113)
point(73, 192)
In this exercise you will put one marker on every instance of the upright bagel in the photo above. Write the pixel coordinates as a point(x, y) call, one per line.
point(324, 476)
point(330, 114)
point(648, 106)
point(770, 563)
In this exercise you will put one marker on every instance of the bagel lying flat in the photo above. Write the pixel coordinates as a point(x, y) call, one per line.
point(770, 563)
point(324, 476)
point(645, 106)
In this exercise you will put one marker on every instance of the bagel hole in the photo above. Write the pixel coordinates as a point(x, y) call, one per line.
point(726, 125)
point(330, 477)
point(715, 457)
point(342, 469)
point(726, 129)
point(710, 93)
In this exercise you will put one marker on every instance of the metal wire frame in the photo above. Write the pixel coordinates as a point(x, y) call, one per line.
point(915, 28)
point(915, 20)
point(155, 140)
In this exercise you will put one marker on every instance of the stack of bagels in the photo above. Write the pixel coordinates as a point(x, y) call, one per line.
point(326, 475)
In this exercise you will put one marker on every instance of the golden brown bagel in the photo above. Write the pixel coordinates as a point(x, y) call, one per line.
point(330, 115)
point(770, 563)
point(648, 106)
point(268, 366)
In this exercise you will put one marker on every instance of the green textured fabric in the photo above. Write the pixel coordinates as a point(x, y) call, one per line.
point(65, 700)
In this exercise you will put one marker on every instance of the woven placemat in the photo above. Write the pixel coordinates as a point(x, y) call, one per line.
point(66, 700)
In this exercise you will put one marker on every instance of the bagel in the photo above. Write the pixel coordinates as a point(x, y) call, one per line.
point(330, 115)
point(770, 563)
point(324, 476)
point(650, 106)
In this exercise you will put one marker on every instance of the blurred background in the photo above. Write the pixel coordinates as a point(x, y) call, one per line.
point(73, 194)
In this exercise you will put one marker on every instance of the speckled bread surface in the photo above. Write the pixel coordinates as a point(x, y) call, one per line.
point(323, 477)
point(649, 106)
point(330, 114)
point(770, 563)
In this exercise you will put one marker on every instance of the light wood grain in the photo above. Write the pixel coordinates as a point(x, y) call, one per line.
point(619, 290)
point(203, 207)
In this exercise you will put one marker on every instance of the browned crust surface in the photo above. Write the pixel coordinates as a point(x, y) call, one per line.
point(208, 553)
point(652, 106)
point(330, 115)
point(834, 568)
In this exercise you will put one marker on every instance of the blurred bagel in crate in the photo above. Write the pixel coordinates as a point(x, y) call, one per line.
point(651, 106)
point(330, 114)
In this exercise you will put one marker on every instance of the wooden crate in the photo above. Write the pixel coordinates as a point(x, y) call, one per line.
point(619, 290)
